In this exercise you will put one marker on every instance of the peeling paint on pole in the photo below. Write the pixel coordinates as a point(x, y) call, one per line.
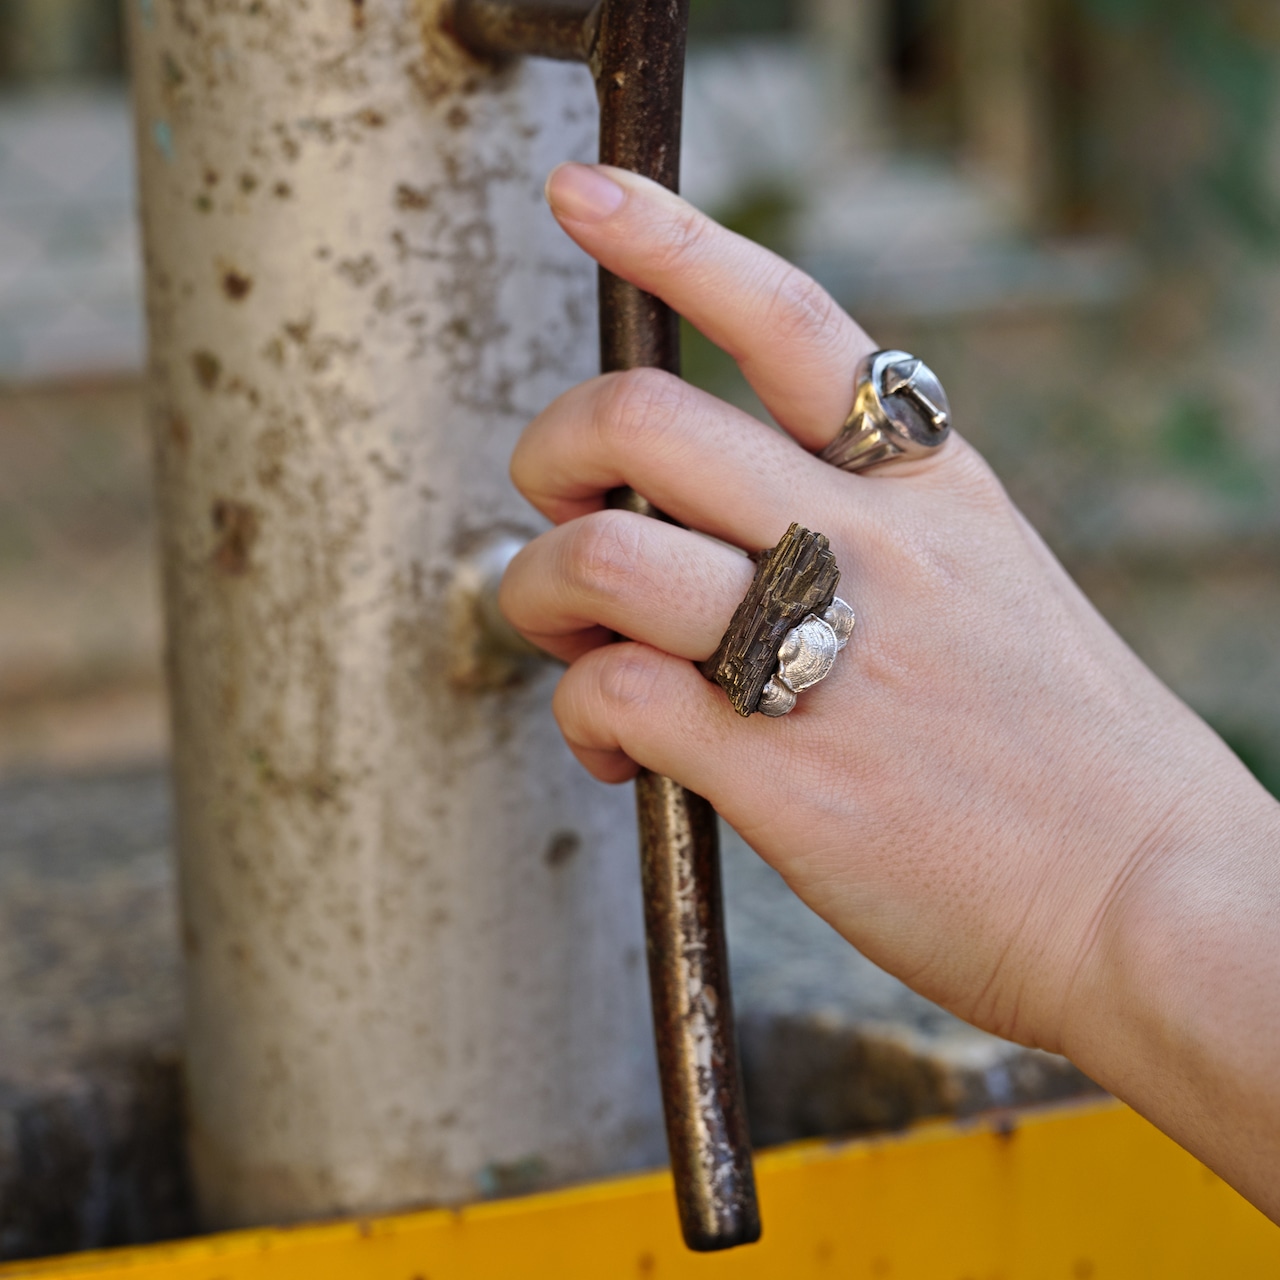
point(412, 925)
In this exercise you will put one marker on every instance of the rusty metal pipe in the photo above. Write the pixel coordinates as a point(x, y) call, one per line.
point(636, 51)
point(498, 29)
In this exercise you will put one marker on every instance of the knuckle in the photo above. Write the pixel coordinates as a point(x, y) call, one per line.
point(972, 475)
point(802, 313)
point(639, 403)
point(603, 552)
point(688, 231)
point(925, 549)
point(626, 679)
point(960, 476)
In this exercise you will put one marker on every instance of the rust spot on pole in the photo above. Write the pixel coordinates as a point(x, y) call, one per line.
point(208, 369)
point(561, 848)
point(236, 285)
point(179, 431)
point(236, 524)
point(412, 198)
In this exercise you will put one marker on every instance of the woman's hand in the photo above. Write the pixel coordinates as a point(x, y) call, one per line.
point(990, 796)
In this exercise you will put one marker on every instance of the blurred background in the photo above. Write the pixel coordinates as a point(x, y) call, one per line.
point(1071, 207)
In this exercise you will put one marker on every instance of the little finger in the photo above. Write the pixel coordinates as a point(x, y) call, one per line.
point(628, 704)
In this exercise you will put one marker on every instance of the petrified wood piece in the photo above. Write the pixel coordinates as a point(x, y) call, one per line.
point(797, 578)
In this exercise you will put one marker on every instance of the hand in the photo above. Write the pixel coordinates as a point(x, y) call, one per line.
point(990, 791)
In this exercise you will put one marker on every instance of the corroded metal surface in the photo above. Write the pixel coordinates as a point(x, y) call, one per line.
point(414, 956)
point(639, 66)
point(562, 29)
point(638, 60)
point(693, 1017)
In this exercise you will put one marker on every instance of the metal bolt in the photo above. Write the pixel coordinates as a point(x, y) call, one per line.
point(900, 380)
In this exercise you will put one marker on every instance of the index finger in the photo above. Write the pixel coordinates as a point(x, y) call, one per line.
point(794, 344)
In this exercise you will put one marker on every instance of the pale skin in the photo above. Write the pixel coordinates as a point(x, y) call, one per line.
point(990, 796)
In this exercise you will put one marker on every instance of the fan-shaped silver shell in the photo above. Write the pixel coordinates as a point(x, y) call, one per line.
point(807, 653)
point(839, 617)
point(776, 700)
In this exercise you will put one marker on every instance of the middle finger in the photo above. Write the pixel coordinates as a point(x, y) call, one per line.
point(710, 466)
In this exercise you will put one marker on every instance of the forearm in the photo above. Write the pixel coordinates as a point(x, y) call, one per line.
point(1181, 1014)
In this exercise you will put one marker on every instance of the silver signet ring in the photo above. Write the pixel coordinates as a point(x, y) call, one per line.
point(899, 411)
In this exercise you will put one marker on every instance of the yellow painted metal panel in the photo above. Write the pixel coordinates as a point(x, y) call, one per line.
point(1075, 1193)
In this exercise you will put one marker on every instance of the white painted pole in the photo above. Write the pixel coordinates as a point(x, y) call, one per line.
point(412, 925)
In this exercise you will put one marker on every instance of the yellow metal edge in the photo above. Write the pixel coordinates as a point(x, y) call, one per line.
point(224, 1245)
point(1089, 1187)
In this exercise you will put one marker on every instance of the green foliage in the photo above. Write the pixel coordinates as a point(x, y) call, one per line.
point(1256, 753)
point(1230, 53)
point(763, 214)
point(716, 19)
point(1195, 439)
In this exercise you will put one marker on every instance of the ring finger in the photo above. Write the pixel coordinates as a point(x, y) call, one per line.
point(611, 572)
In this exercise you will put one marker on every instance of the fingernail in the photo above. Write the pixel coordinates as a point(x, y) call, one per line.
point(582, 193)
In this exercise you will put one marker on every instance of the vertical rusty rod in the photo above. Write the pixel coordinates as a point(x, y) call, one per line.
point(636, 50)
point(640, 79)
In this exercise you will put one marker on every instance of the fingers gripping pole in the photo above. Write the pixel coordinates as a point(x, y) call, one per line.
point(636, 51)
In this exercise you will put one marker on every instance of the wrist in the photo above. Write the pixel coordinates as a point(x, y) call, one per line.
point(1177, 1006)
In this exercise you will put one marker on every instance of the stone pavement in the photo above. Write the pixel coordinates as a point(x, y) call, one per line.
point(90, 1020)
point(89, 1015)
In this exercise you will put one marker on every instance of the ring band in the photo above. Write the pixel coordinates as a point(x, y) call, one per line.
point(785, 634)
point(899, 411)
